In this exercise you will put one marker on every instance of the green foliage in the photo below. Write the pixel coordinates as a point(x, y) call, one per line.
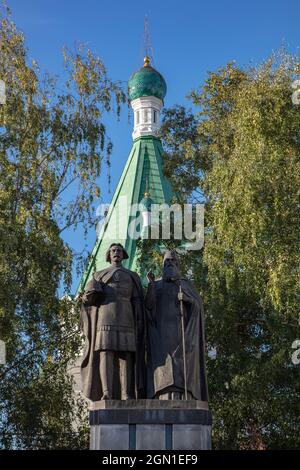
point(241, 153)
point(52, 144)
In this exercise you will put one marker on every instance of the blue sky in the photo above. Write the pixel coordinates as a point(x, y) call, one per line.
point(189, 38)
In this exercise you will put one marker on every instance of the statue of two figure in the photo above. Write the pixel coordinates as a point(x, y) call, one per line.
point(138, 347)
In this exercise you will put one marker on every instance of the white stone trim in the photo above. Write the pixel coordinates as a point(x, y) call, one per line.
point(146, 111)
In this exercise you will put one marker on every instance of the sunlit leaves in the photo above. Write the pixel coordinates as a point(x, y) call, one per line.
point(53, 142)
point(245, 160)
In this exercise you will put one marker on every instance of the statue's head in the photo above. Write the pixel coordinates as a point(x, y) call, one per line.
point(116, 253)
point(171, 264)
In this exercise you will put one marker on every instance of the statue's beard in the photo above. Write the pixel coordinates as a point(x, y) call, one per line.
point(171, 272)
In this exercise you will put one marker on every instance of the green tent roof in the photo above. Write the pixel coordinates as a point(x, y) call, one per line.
point(144, 165)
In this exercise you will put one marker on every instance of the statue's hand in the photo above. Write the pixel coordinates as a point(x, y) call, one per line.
point(150, 276)
point(78, 297)
point(183, 298)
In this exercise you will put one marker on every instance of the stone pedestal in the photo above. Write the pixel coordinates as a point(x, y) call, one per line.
point(150, 425)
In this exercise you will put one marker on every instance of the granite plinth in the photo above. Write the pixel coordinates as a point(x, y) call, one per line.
point(150, 425)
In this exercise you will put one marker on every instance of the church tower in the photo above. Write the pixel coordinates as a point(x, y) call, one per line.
point(142, 176)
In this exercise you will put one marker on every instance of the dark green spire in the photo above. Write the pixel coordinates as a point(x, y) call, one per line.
point(144, 165)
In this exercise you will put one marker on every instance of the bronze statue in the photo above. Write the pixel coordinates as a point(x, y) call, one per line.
point(112, 318)
point(176, 345)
